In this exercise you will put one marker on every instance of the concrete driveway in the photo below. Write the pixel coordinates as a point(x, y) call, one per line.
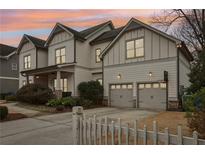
point(57, 128)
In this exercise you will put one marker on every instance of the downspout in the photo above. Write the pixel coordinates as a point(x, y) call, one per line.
point(178, 97)
point(102, 76)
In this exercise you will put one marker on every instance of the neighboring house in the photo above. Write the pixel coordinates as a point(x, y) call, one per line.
point(142, 67)
point(9, 72)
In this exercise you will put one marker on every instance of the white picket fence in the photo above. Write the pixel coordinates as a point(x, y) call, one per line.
point(93, 131)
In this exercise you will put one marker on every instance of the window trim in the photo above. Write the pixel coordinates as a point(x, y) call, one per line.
point(98, 55)
point(29, 55)
point(134, 39)
point(60, 55)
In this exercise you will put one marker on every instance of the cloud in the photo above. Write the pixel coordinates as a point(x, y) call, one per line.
point(14, 23)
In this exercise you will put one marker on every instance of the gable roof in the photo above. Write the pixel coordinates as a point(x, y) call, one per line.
point(106, 36)
point(91, 30)
point(38, 43)
point(6, 50)
point(132, 24)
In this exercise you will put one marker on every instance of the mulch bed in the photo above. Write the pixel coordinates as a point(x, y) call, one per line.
point(14, 116)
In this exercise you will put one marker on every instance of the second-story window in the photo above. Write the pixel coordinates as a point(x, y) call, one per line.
point(97, 54)
point(135, 48)
point(60, 56)
point(27, 62)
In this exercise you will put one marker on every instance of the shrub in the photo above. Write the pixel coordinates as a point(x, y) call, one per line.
point(67, 102)
point(10, 98)
point(85, 103)
point(91, 90)
point(195, 108)
point(3, 112)
point(3, 95)
point(35, 94)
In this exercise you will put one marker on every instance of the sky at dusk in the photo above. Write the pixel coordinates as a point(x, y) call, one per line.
point(39, 23)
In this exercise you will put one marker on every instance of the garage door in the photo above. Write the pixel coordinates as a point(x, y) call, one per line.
point(152, 95)
point(121, 95)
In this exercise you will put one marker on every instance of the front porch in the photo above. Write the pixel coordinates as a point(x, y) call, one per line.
point(60, 80)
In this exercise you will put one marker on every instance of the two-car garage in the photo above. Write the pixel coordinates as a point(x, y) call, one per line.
point(149, 95)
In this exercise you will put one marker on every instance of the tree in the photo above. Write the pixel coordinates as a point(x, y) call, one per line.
point(187, 25)
point(197, 74)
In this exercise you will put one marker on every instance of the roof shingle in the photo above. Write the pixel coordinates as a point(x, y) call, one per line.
point(5, 50)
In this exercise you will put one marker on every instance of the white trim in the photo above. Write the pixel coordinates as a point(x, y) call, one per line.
point(8, 78)
point(7, 57)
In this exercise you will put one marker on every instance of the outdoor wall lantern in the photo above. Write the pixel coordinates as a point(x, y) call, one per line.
point(179, 45)
point(150, 74)
point(37, 77)
point(119, 76)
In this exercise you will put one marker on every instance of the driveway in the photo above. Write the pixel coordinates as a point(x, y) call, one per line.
point(57, 128)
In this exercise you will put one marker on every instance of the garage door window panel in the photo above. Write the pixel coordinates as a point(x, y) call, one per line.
point(118, 86)
point(148, 85)
point(129, 86)
point(155, 85)
point(163, 85)
point(141, 86)
point(124, 86)
point(112, 86)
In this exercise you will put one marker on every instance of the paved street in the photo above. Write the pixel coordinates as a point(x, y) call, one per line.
point(57, 128)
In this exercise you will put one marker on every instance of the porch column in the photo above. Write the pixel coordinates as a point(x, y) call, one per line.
point(58, 85)
point(27, 79)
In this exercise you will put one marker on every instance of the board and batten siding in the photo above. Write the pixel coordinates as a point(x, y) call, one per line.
point(160, 54)
point(184, 70)
point(27, 49)
point(60, 40)
point(155, 47)
point(42, 58)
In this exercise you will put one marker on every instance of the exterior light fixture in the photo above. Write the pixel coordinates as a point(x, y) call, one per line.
point(37, 77)
point(119, 76)
point(150, 74)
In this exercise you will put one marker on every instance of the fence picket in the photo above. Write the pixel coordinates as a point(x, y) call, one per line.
point(179, 135)
point(119, 132)
point(113, 132)
point(100, 131)
point(166, 136)
point(89, 131)
point(106, 130)
point(135, 132)
point(195, 138)
point(145, 135)
point(94, 129)
point(127, 134)
point(81, 131)
point(155, 136)
point(84, 131)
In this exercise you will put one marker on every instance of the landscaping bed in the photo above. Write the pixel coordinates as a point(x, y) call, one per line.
point(14, 116)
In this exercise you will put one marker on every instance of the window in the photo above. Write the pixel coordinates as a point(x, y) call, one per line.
point(63, 84)
point(124, 86)
point(141, 86)
point(163, 85)
point(155, 85)
point(100, 80)
point(112, 86)
point(135, 48)
point(118, 86)
point(27, 62)
point(97, 54)
point(148, 85)
point(14, 66)
point(129, 86)
point(60, 56)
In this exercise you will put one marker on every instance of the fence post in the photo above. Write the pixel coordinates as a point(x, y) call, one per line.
point(179, 135)
point(145, 135)
point(100, 131)
point(135, 132)
point(166, 136)
point(119, 132)
point(84, 130)
point(81, 130)
point(90, 131)
point(195, 138)
point(106, 130)
point(94, 129)
point(127, 134)
point(77, 114)
point(113, 132)
point(155, 133)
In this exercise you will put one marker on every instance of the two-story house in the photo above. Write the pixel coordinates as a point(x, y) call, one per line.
point(137, 65)
point(9, 72)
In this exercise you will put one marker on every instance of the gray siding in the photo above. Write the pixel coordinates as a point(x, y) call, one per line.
point(184, 69)
point(155, 47)
point(6, 67)
point(138, 72)
point(63, 39)
point(8, 86)
point(42, 58)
